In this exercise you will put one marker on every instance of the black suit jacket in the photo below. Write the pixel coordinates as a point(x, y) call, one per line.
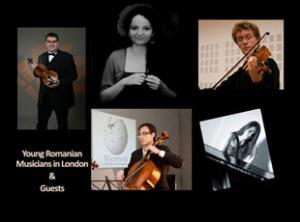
point(162, 163)
point(63, 95)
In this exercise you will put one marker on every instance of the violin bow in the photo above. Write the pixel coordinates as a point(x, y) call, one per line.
point(246, 55)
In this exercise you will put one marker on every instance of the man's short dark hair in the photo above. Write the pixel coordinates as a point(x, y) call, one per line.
point(51, 34)
point(151, 127)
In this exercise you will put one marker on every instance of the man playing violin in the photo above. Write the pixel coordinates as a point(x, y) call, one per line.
point(56, 94)
point(254, 75)
point(161, 155)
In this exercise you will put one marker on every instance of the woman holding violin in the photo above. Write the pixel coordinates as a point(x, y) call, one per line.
point(259, 72)
point(160, 156)
point(57, 71)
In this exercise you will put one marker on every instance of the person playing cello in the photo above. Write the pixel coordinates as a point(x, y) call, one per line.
point(160, 155)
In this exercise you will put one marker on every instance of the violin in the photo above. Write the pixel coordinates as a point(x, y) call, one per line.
point(144, 175)
point(262, 53)
point(41, 70)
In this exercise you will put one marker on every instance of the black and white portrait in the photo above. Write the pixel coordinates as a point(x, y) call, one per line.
point(141, 65)
point(238, 141)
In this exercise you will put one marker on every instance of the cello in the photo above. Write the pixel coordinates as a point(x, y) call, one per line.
point(144, 175)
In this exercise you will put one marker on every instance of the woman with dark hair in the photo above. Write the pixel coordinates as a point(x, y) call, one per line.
point(240, 148)
point(136, 71)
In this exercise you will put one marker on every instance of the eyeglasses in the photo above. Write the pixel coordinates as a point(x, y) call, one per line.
point(143, 134)
point(54, 41)
point(247, 37)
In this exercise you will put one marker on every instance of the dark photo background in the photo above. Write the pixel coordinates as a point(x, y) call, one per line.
point(104, 43)
point(279, 109)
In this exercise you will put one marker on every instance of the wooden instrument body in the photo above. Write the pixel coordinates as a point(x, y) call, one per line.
point(144, 174)
point(46, 75)
point(147, 177)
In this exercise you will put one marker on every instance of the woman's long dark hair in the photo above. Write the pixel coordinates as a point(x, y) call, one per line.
point(250, 143)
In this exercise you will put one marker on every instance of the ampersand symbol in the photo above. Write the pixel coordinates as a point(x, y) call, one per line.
point(52, 176)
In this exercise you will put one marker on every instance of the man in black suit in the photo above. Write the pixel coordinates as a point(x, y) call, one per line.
point(58, 93)
point(161, 155)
